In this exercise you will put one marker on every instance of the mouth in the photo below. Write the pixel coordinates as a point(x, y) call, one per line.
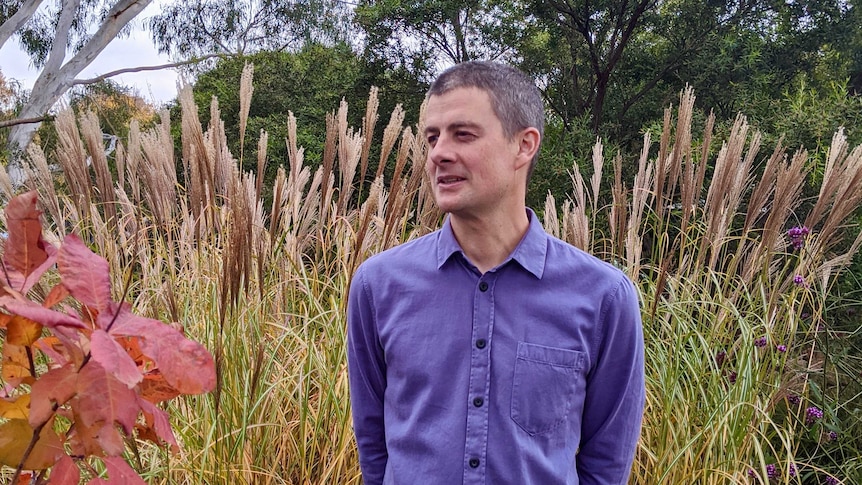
point(449, 179)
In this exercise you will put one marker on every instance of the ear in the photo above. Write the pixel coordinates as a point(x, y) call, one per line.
point(528, 144)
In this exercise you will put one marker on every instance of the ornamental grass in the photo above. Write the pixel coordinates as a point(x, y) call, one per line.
point(734, 268)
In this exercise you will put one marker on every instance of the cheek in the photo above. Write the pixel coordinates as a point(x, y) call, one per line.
point(429, 169)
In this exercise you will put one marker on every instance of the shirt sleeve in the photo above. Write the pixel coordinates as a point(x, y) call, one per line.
point(615, 392)
point(367, 378)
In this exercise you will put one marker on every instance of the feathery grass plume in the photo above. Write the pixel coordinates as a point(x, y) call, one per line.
point(245, 91)
point(401, 193)
point(159, 179)
point(5, 184)
point(579, 222)
point(279, 194)
point(369, 122)
point(789, 182)
point(199, 169)
point(73, 161)
point(375, 202)
point(840, 191)
point(551, 223)
point(390, 136)
point(262, 143)
point(681, 150)
point(349, 151)
point(224, 164)
point(640, 196)
point(134, 159)
point(327, 163)
point(619, 212)
point(92, 135)
point(724, 195)
point(596, 179)
point(41, 179)
point(662, 165)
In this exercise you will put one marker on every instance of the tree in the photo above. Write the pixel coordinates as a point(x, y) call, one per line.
point(243, 27)
point(47, 35)
point(427, 35)
point(115, 105)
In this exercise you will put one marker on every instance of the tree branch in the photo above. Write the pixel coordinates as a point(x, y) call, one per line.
point(18, 19)
point(24, 121)
point(126, 70)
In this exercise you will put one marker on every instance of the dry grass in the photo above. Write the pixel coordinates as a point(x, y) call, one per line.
point(264, 288)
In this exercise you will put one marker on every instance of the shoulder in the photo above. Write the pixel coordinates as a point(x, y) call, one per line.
point(563, 258)
point(409, 257)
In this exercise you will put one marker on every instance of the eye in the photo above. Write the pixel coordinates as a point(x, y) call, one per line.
point(431, 139)
point(465, 135)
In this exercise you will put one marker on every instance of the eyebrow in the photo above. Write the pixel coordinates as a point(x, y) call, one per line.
point(454, 126)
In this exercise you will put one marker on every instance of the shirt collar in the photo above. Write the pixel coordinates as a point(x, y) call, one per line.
point(530, 252)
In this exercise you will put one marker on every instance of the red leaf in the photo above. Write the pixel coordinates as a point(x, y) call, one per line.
point(25, 251)
point(158, 420)
point(155, 389)
point(16, 365)
point(57, 294)
point(15, 436)
point(84, 273)
point(38, 313)
point(97, 440)
point(51, 346)
point(65, 472)
point(106, 351)
point(186, 365)
point(23, 331)
point(56, 386)
point(104, 399)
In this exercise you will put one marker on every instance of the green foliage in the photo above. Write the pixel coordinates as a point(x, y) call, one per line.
point(115, 105)
point(199, 27)
point(308, 84)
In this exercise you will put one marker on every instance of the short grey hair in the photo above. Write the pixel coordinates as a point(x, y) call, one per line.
point(514, 97)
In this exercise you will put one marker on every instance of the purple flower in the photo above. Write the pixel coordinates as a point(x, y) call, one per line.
point(812, 414)
point(833, 436)
point(831, 481)
point(781, 348)
point(732, 377)
point(720, 357)
point(752, 473)
point(797, 236)
point(792, 470)
point(799, 280)
point(771, 472)
point(793, 398)
point(760, 342)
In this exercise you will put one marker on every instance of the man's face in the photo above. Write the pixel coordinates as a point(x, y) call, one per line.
point(473, 166)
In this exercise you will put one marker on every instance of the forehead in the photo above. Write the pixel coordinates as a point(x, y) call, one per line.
point(459, 106)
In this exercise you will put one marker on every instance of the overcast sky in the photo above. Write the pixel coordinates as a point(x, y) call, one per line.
point(157, 87)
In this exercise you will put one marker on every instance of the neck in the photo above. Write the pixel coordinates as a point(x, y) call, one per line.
point(488, 242)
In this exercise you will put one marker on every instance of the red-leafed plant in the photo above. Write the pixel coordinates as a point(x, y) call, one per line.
point(81, 373)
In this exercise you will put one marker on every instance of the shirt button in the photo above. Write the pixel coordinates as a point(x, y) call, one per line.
point(474, 463)
point(480, 344)
point(483, 286)
point(478, 402)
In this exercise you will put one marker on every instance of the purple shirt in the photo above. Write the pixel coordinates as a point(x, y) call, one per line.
point(531, 373)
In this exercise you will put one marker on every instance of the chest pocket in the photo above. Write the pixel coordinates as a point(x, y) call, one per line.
point(543, 386)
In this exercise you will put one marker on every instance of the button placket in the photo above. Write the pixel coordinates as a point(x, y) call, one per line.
point(480, 373)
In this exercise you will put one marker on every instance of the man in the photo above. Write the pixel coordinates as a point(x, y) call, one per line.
point(489, 352)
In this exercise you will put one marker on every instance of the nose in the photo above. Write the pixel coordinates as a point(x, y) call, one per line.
point(441, 151)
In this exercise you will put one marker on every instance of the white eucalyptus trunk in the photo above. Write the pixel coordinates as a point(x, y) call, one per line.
point(57, 77)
